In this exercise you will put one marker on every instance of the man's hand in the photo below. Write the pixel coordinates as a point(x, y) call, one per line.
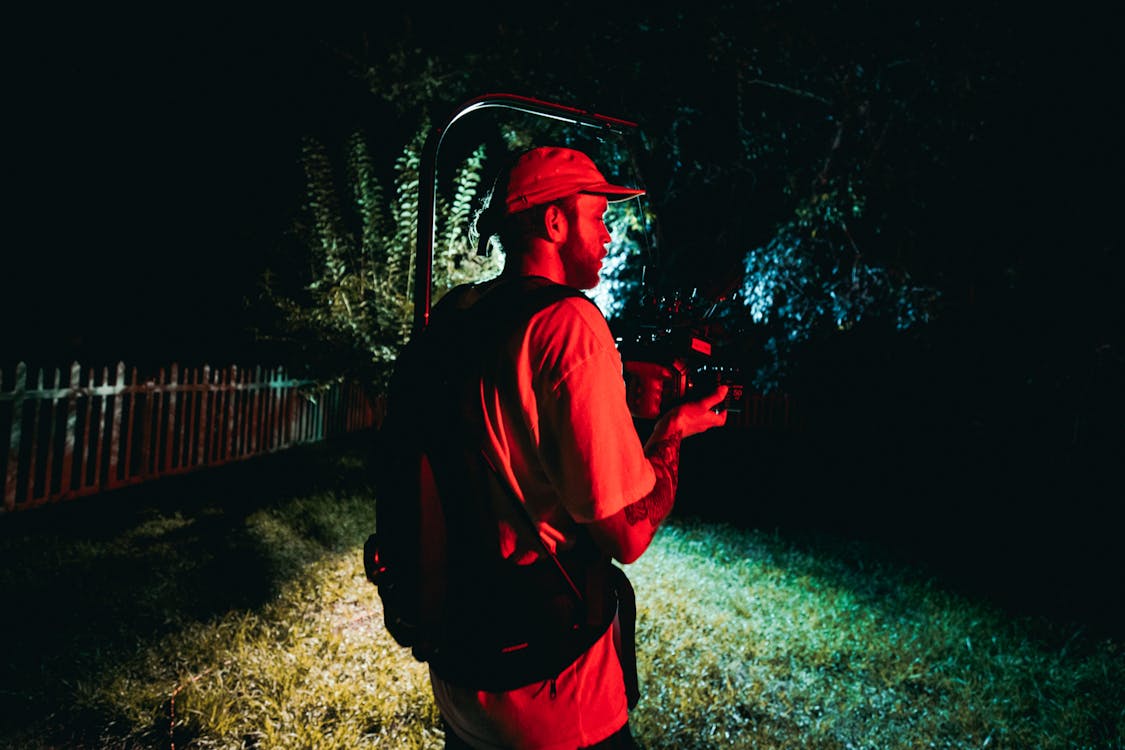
point(697, 416)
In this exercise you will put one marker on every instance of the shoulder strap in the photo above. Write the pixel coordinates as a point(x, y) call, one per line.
point(508, 303)
point(522, 512)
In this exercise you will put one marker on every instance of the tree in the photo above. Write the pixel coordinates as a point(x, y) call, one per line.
point(801, 165)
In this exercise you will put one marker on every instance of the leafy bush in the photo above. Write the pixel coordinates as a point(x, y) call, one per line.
point(352, 310)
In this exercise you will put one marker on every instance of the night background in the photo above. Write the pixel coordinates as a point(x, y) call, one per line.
point(157, 176)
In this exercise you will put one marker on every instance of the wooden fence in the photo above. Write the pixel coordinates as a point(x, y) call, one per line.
point(75, 434)
point(771, 411)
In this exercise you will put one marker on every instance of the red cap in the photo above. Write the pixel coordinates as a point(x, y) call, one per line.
point(548, 173)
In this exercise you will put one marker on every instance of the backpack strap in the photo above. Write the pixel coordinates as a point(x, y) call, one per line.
point(522, 511)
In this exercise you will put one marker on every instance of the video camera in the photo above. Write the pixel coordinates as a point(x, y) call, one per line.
point(672, 338)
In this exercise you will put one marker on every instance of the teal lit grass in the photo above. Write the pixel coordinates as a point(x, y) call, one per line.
point(787, 646)
point(231, 611)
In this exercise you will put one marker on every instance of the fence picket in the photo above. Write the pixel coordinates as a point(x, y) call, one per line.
point(71, 428)
point(275, 411)
point(252, 420)
point(244, 414)
point(131, 401)
point(82, 452)
point(150, 414)
point(112, 478)
point(191, 398)
point(214, 397)
point(103, 415)
point(34, 443)
point(11, 475)
point(170, 424)
point(228, 411)
point(204, 394)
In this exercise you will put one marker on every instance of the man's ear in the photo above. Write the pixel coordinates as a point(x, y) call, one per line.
point(555, 222)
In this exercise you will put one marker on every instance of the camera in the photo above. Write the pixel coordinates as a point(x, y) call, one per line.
point(668, 353)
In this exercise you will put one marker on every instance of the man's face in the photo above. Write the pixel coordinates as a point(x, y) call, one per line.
point(584, 249)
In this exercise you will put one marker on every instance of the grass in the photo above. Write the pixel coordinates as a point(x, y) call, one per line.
point(229, 609)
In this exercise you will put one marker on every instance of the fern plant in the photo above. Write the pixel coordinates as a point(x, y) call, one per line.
point(351, 312)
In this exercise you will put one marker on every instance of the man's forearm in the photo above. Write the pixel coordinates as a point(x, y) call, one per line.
point(663, 452)
point(626, 534)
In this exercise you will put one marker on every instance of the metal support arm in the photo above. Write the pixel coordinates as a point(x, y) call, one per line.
point(427, 178)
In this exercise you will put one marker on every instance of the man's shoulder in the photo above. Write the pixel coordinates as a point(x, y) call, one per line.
point(573, 324)
point(476, 315)
point(506, 300)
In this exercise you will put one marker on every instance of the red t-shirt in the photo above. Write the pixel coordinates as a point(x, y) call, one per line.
point(560, 431)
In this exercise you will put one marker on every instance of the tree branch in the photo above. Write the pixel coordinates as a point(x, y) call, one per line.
point(788, 90)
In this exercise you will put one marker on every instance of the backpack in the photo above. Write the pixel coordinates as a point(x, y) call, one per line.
point(478, 620)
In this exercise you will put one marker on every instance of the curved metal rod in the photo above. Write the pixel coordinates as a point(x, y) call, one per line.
point(427, 176)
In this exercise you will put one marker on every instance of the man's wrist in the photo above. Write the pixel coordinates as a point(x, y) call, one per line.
point(663, 452)
point(668, 427)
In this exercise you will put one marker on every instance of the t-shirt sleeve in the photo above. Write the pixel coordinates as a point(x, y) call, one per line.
point(588, 444)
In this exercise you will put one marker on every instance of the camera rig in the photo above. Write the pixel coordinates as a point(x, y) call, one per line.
point(669, 332)
point(679, 335)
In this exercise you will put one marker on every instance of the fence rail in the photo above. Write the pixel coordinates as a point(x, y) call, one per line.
point(75, 434)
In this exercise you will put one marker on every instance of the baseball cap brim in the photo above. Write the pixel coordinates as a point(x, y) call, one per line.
point(548, 174)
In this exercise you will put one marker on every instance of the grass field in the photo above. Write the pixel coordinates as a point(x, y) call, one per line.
point(228, 609)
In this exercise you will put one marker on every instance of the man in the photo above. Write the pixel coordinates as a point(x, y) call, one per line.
point(559, 434)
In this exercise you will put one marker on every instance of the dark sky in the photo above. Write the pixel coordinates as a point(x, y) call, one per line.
point(155, 175)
